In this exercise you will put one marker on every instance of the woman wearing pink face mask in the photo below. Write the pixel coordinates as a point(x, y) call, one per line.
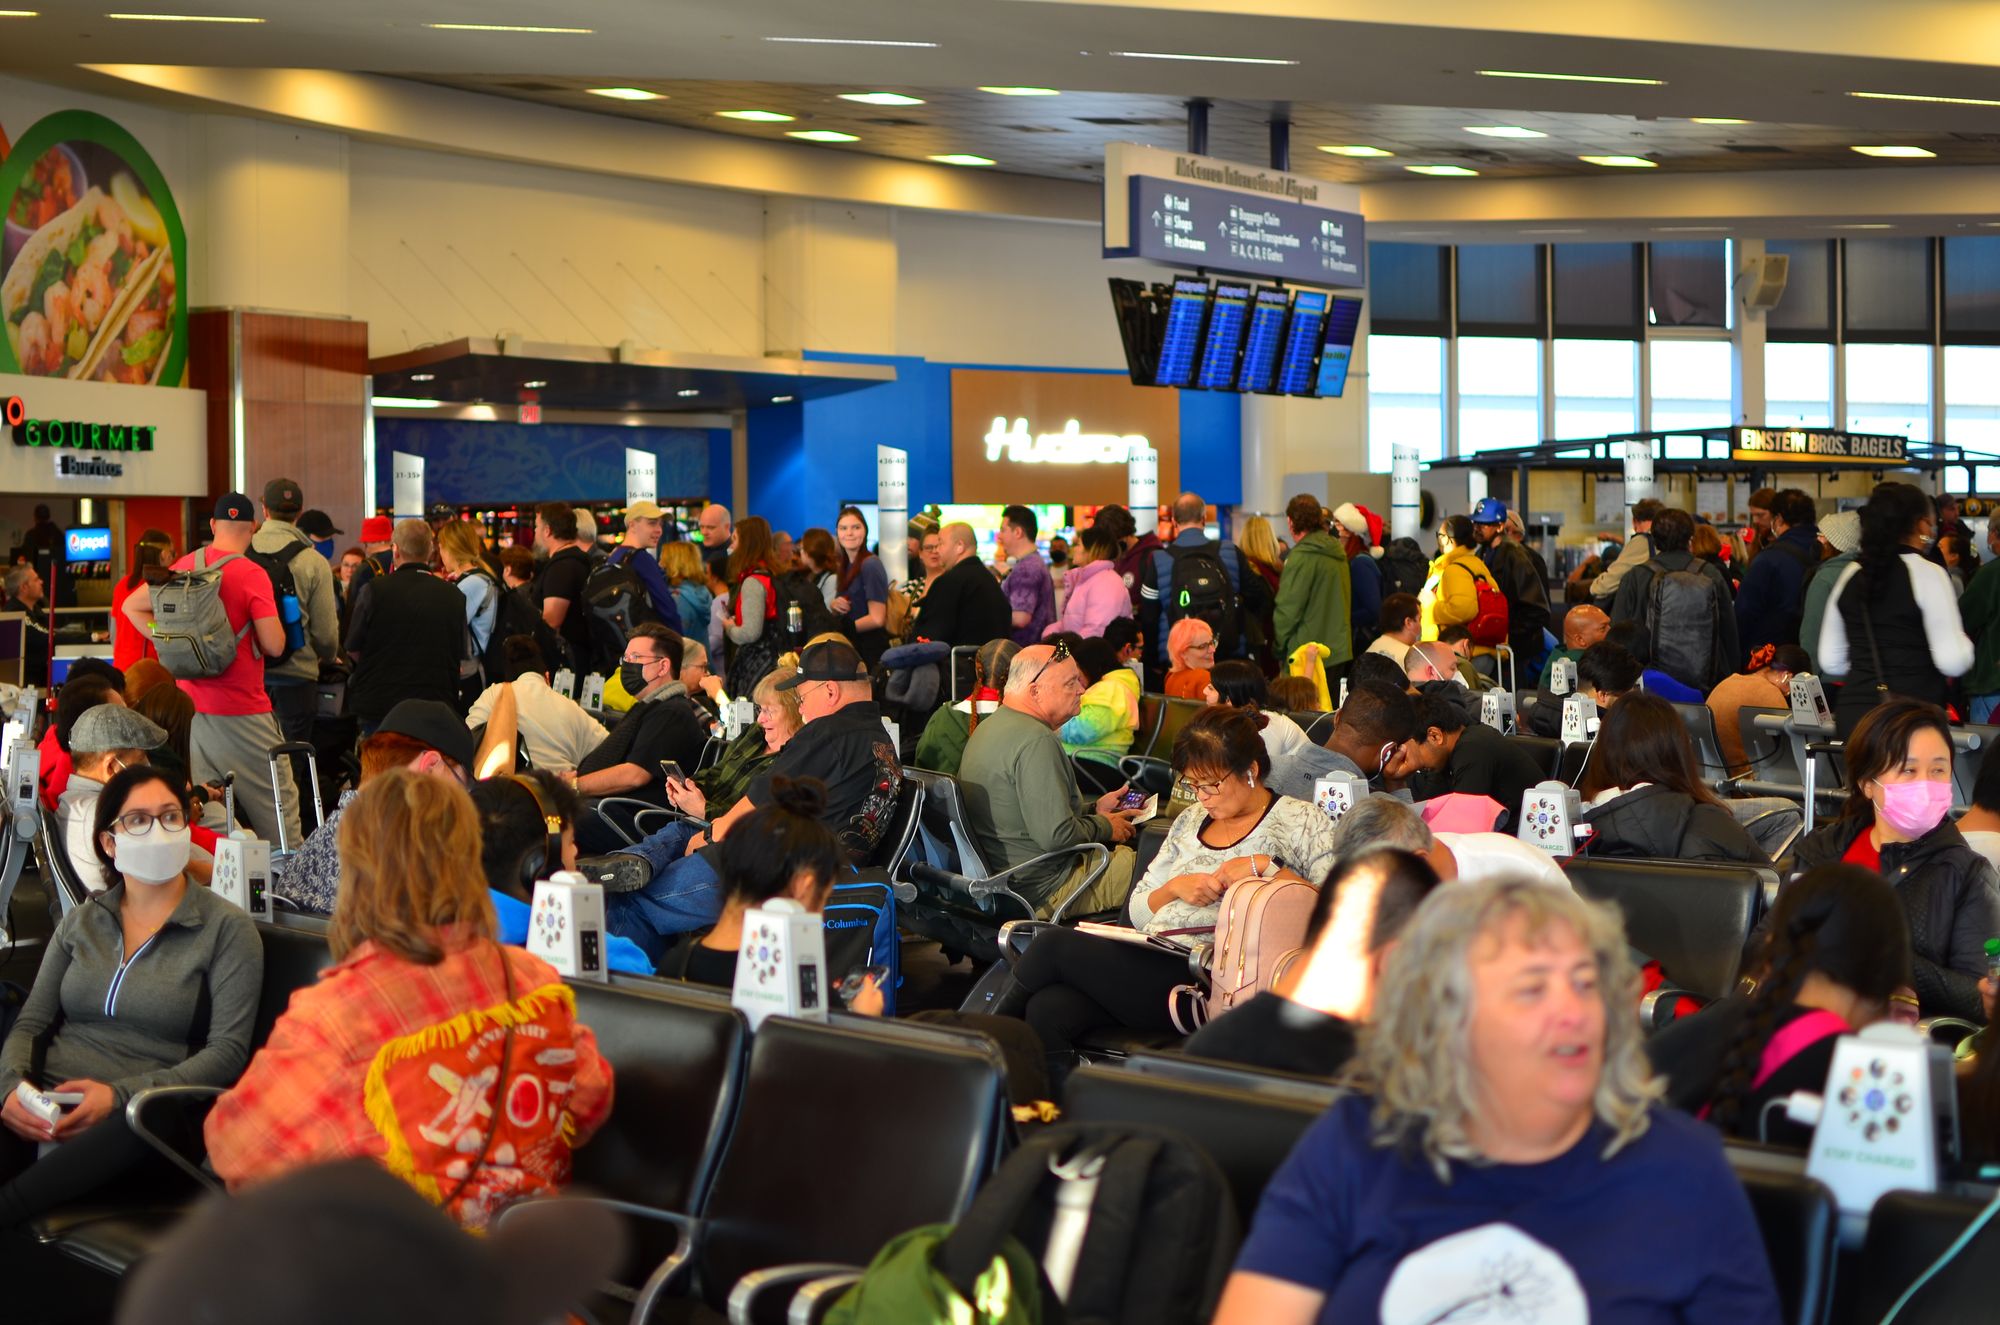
point(1898, 823)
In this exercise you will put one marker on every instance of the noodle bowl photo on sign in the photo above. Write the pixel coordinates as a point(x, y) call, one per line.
point(92, 264)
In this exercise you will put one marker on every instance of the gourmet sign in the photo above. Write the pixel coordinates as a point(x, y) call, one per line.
point(74, 434)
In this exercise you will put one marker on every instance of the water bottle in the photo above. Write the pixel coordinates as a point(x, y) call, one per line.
point(291, 615)
point(795, 618)
point(1993, 959)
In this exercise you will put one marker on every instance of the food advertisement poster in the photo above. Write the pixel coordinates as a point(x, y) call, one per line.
point(93, 264)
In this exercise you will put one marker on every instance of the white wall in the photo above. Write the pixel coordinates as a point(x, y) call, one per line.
point(445, 246)
point(275, 198)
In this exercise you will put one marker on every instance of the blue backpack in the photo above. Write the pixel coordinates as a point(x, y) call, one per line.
point(861, 931)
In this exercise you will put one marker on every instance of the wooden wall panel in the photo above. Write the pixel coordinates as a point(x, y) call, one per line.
point(208, 370)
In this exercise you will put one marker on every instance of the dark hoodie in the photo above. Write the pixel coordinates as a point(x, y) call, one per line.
point(1658, 823)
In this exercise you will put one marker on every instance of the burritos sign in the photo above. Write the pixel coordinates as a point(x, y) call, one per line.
point(103, 439)
point(1806, 446)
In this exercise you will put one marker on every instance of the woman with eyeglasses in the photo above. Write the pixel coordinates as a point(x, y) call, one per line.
point(716, 788)
point(1071, 983)
point(1190, 656)
point(152, 982)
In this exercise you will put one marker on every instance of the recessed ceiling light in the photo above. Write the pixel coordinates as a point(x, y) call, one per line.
point(20, 13)
point(823, 135)
point(882, 98)
point(1909, 152)
point(1572, 78)
point(1503, 131)
point(758, 116)
point(1022, 91)
point(850, 41)
point(181, 18)
point(1355, 149)
point(685, 392)
point(1863, 225)
point(1919, 96)
point(404, 402)
point(1715, 119)
point(1442, 170)
point(626, 93)
point(506, 27)
point(1204, 59)
point(962, 159)
point(535, 385)
point(1621, 162)
point(781, 400)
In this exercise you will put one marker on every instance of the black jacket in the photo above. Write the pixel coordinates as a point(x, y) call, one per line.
point(965, 606)
point(407, 632)
point(1526, 593)
point(1950, 899)
point(1659, 823)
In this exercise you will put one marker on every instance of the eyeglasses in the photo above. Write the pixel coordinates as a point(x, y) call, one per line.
point(1187, 790)
point(1208, 643)
point(1060, 655)
point(641, 662)
point(135, 822)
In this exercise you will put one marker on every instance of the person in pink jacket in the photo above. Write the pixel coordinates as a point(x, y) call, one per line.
point(1097, 594)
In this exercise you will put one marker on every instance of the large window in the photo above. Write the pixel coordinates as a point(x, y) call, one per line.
point(1972, 397)
point(1692, 388)
point(1798, 385)
point(1499, 392)
point(1889, 390)
point(1597, 388)
point(1405, 397)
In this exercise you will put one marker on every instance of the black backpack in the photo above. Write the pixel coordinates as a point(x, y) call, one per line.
point(278, 565)
point(1680, 620)
point(1162, 1233)
point(516, 616)
point(1404, 569)
point(616, 600)
point(816, 618)
point(1199, 587)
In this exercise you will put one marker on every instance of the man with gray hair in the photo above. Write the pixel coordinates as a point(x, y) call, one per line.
point(407, 633)
point(24, 595)
point(1021, 799)
point(1381, 820)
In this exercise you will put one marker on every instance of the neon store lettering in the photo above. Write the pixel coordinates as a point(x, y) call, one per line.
point(1071, 446)
point(73, 434)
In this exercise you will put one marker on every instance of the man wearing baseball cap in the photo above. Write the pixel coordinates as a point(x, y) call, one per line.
point(233, 728)
point(644, 523)
point(282, 548)
point(422, 735)
point(1514, 571)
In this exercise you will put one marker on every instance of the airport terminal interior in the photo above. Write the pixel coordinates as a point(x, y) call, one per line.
point(1279, 662)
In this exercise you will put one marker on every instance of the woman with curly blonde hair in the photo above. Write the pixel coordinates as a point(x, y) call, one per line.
point(1502, 1132)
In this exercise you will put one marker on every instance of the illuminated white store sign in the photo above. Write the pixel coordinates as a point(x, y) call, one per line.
point(1071, 446)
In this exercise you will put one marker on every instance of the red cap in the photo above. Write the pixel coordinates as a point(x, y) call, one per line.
point(377, 529)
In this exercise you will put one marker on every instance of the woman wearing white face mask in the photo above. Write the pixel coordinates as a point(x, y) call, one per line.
point(1897, 823)
point(119, 1003)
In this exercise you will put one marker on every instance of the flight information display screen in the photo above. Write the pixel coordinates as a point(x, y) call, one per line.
point(1228, 314)
point(1299, 364)
point(1342, 322)
point(1266, 335)
point(1187, 308)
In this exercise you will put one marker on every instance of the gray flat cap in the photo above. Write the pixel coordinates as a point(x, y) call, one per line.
point(114, 727)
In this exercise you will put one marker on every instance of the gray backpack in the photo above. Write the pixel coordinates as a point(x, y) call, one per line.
point(1681, 621)
point(191, 629)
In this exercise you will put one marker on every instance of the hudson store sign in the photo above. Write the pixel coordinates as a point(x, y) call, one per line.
point(1056, 437)
point(97, 439)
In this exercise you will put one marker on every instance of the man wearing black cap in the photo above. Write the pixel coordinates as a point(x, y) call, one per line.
point(422, 735)
point(281, 548)
point(318, 526)
point(843, 744)
point(233, 728)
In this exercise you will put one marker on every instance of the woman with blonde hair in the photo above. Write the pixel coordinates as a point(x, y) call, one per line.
point(1259, 547)
point(688, 577)
point(1503, 1127)
point(462, 550)
point(456, 1063)
point(716, 788)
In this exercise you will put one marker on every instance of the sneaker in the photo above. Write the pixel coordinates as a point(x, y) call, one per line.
point(619, 873)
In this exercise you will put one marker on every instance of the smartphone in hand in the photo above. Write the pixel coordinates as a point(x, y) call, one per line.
point(671, 771)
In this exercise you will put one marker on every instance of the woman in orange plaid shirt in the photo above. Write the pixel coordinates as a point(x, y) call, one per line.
point(457, 1063)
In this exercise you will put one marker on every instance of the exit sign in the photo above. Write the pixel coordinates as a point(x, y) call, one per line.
point(531, 413)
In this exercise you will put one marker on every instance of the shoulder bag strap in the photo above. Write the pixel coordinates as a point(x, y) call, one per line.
point(1794, 1038)
point(499, 1104)
point(1874, 650)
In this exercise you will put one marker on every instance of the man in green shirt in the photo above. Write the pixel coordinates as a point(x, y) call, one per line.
point(1021, 800)
point(1583, 626)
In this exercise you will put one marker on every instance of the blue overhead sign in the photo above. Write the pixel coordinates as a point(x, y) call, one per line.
point(1182, 224)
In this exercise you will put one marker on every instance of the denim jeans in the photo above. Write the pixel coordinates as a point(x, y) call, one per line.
point(685, 893)
point(1982, 707)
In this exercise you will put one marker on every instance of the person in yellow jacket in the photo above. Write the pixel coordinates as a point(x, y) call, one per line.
point(1450, 596)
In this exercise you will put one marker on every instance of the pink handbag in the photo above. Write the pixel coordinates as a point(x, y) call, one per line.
point(1260, 923)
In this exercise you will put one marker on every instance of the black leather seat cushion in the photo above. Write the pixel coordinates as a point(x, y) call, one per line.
point(1691, 918)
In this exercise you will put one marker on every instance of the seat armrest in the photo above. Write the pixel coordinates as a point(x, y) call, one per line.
point(752, 1286)
point(995, 884)
point(811, 1303)
point(148, 1102)
point(666, 1276)
point(1654, 1005)
point(637, 807)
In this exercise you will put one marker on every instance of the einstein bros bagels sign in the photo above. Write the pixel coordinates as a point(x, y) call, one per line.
point(1055, 438)
point(95, 439)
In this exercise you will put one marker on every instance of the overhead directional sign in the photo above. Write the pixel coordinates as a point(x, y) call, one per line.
point(1222, 216)
point(1220, 230)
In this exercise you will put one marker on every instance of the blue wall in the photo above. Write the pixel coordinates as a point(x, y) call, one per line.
point(466, 463)
point(808, 458)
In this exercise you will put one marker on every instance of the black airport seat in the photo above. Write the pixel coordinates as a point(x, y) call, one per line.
point(1693, 919)
point(1247, 1121)
point(1547, 752)
point(1801, 1228)
point(1907, 1233)
point(1174, 715)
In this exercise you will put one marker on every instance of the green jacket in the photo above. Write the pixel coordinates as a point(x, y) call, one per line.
point(1314, 593)
point(1021, 799)
point(1820, 588)
point(1980, 608)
